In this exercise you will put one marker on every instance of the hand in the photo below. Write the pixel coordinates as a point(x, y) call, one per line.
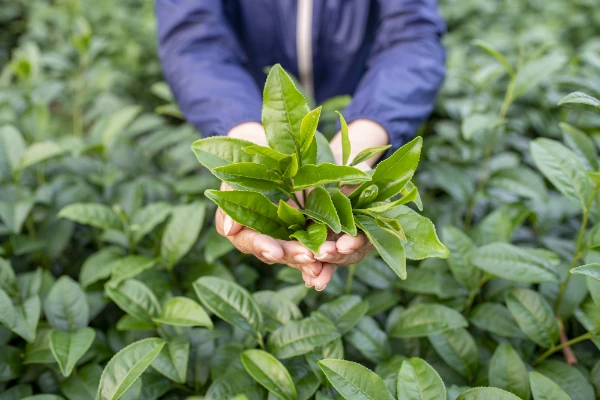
point(264, 247)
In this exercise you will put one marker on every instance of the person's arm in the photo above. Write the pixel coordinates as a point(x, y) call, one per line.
point(203, 63)
point(405, 70)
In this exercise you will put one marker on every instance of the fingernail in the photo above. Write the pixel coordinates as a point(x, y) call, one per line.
point(308, 270)
point(302, 258)
point(320, 290)
point(345, 251)
point(227, 225)
point(325, 257)
point(268, 256)
point(307, 285)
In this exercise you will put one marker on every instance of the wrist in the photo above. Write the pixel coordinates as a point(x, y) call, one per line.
point(251, 131)
point(363, 133)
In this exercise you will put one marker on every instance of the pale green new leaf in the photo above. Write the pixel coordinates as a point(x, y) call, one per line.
point(418, 380)
point(353, 381)
point(66, 307)
point(94, 214)
point(508, 372)
point(346, 146)
point(230, 302)
point(488, 48)
point(319, 207)
point(580, 98)
point(249, 175)
point(39, 152)
point(534, 316)
point(313, 237)
point(127, 366)
point(308, 127)
point(69, 347)
point(183, 311)
point(218, 151)
point(426, 319)
point(581, 144)
point(182, 232)
point(253, 210)
point(591, 270)
point(270, 373)
point(369, 153)
point(343, 207)
point(518, 264)
point(309, 176)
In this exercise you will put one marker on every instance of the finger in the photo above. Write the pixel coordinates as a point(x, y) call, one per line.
point(230, 227)
point(295, 253)
point(348, 244)
point(307, 280)
point(327, 252)
point(320, 282)
point(352, 258)
point(252, 242)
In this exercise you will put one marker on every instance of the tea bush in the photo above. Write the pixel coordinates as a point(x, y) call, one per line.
point(114, 284)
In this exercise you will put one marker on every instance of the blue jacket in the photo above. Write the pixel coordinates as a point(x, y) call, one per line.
point(387, 54)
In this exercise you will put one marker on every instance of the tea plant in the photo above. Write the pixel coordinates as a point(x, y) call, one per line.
point(298, 161)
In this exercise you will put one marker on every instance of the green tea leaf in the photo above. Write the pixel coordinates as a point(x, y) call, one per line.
point(218, 151)
point(270, 373)
point(580, 98)
point(389, 246)
point(249, 175)
point(69, 347)
point(488, 48)
point(117, 123)
point(346, 147)
point(569, 378)
point(517, 264)
point(284, 107)
point(566, 172)
point(591, 270)
point(495, 318)
point(27, 315)
point(461, 247)
point(343, 207)
point(313, 237)
point(182, 232)
point(369, 153)
point(172, 361)
point(84, 385)
point(10, 363)
point(93, 214)
point(183, 311)
point(533, 315)
point(309, 176)
point(129, 267)
point(230, 302)
point(353, 381)
point(426, 319)
point(370, 340)
point(418, 380)
point(508, 372)
point(252, 210)
point(99, 265)
point(581, 144)
point(457, 347)
point(487, 393)
point(277, 310)
point(543, 388)
point(14, 213)
point(308, 127)
point(8, 316)
point(520, 181)
point(135, 298)
point(301, 337)
point(39, 152)
point(148, 218)
point(127, 366)
point(290, 215)
point(319, 207)
point(420, 233)
point(66, 307)
point(345, 311)
point(478, 123)
point(235, 383)
point(368, 195)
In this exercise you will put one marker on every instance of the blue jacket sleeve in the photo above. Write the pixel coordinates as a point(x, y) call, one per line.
point(405, 69)
point(203, 63)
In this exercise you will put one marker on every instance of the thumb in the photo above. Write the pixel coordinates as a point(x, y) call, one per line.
point(230, 227)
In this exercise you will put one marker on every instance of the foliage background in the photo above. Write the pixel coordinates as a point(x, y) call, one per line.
point(85, 118)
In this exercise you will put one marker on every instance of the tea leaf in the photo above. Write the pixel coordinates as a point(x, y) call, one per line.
point(353, 381)
point(346, 147)
point(308, 127)
point(426, 319)
point(313, 237)
point(581, 144)
point(580, 98)
point(277, 310)
point(230, 302)
point(270, 373)
point(96, 215)
point(533, 315)
point(182, 311)
point(69, 347)
point(369, 153)
point(590, 270)
point(219, 151)
point(508, 372)
point(457, 347)
point(66, 307)
point(343, 208)
point(420, 233)
point(543, 388)
point(370, 340)
point(301, 337)
point(127, 366)
point(461, 247)
point(309, 176)
point(487, 393)
point(568, 377)
point(39, 152)
point(99, 265)
point(368, 195)
point(249, 175)
point(290, 215)
point(117, 123)
point(148, 218)
point(8, 316)
point(518, 264)
point(488, 48)
point(520, 181)
point(345, 311)
point(284, 107)
point(129, 267)
point(172, 360)
point(495, 318)
point(135, 298)
point(251, 209)
point(319, 207)
point(417, 380)
point(182, 232)
point(84, 385)
point(566, 172)
point(389, 245)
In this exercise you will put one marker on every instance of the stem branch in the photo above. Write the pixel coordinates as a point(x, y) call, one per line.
point(561, 346)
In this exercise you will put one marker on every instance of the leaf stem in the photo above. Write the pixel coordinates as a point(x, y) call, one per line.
point(351, 270)
point(577, 254)
point(561, 346)
point(260, 341)
point(296, 200)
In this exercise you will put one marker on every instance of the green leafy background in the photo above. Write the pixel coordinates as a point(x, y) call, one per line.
point(114, 284)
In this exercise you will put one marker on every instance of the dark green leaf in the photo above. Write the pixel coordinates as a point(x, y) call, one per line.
point(136, 299)
point(418, 380)
point(368, 338)
point(66, 307)
point(129, 267)
point(457, 347)
point(581, 144)
point(461, 247)
point(84, 385)
point(69, 347)
point(495, 318)
point(487, 393)
point(533, 315)
point(301, 337)
point(353, 381)
point(427, 319)
point(96, 215)
point(99, 265)
point(172, 361)
point(543, 388)
point(270, 373)
point(569, 378)
point(277, 310)
point(148, 218)
point(345, 311)
point(183, 311)
point(389, 246)
point(182, 232)
point(508, 372)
